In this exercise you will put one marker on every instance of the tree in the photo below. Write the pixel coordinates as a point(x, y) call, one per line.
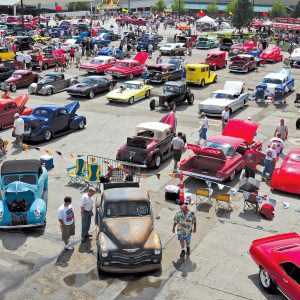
point(159, 5)
point(296, 12)
point(179, 6)
point(230, 7)
point(277, 10)
point(212, 8)
point(242, 14)
point(79, 6)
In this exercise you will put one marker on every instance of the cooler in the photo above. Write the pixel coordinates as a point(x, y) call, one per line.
point(47, 161)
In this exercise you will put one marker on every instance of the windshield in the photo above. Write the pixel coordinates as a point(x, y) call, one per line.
point(127, 209)
point(49, 78)
point(123, 64)
point(155, 68)
point(41, 112)
point(227, 149)
point(89, 81)
point(27, 178)
point(97, 61)
point(221, 96)
point(171, 88)
point(16, 75)
point(272, 80)
point(128, 85)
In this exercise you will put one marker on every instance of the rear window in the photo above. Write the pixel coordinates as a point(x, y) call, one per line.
point(127, 209)
point(27, 178)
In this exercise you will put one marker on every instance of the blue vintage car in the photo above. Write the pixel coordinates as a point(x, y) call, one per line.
point(24, 188)
point(275, 85)
point(46, 122)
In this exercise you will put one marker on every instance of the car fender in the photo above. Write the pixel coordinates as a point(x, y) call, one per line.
point(75, 121)
point(49, 86)
point(39, 131)
point(32, 86)
point(4, 213)
point(40, 205)
point(151, 155)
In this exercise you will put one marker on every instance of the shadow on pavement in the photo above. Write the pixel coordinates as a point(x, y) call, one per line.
point(64, 258)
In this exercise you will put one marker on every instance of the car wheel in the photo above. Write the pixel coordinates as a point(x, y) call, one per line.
point(152, 104)
point(157, 161)
point(81, 125)
point(131, 100)
point(216, 79)
point(190, 99)
point(147, 94)
point(266, 281)
point(91, 94)
point(13, 87)
point(47, 135)
point(131, 76)
point(232, 175)
point(49, 91)
point(225, 64)
point(45, 66)
point(298, 124)
point(202, 84)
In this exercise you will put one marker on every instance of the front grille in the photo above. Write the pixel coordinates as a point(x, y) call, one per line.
point(19, 220)
point(143, 257)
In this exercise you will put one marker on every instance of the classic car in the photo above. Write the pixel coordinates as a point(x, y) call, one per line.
point(275, 85)
point(70, 43)
point(278, 260)
point(23, 42)
point(52, 83)
point(163, 72)
point(89, 86)
point(6, 55)
point(139, 21)
point(199, 74)
point(272, 55)
point(232, 95)
point(216, 60)
point(48, 61)
point(238, 49)
point(19, 78)
point(101, 39)
point(295, 56)
point(153, 35)
point(150, 144)
point(206, 43)
point(98, 64)
point(220, 157)
point(124, 216)
point(130, 92)
point(225, 44)
point(173, 49)
point(186, 40)
point(242, 63)
point(111, 34)
point(143, 44)
point(24, 189)
point(8, 107)
point(129, 67)
point(49, 121)
point(5, 72)
point(286, 178)
point(173, 92)
point(177, 61)
point(39, 38)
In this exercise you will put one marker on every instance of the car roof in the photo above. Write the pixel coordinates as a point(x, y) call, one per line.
point(20, 166)
point(197, 65)
point(276, 76)
point(160, 65)
point(175, 83)
point(233, 141)
point(134, 82)
point(22, 71)
point(54, 74)
point(96, 77)
point(156, 126)
point(125, 194)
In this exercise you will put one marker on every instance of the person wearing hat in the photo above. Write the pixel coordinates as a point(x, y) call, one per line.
point(251, 159)
point(87, 205)
point(66, 218)
point(203, 127)
point(270, 161)
point(185, 221)
point(18, 130)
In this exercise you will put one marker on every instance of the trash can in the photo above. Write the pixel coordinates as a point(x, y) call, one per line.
point(47, 161)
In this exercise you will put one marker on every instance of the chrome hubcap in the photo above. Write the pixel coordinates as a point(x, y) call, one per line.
point(265, 278)
point(158, 161)
point(47, 135)
point(81, 124)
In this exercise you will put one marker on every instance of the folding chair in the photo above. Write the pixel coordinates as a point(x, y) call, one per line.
point(204, 196)
point(223, 201)
point(251, 201)
point(78, 174)
point(92, 175)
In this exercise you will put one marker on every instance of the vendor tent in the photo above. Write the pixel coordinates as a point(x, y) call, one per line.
point(207, 20)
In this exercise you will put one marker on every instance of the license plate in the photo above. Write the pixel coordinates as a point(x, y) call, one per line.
point(131, 153)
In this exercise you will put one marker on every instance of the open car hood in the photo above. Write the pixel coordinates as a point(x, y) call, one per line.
point(141, 57)
point(72, 107)
point(170, 119)
point(207, 152)
point(243, 129)
point(21, 100)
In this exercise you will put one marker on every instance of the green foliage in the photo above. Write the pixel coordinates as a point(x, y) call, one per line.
point(277, 10)
point(242, 14)
point(79, 6)
point(296, 12)
point(230, 7)
point(178, 6)
point(212, 8)
point(159, 5)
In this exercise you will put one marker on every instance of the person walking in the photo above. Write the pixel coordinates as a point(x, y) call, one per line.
point(225, 117)
point(62, 62)
point(87, 205)
point(178, 146)
point(150, 50)
point(40, 60)
point(185, 221)
point(20, 60)
point(270, 161)
point(282, 129)
point(66, 218)
point(159, 59)
point(72, 54)
point(203, 127)
point(27, 59)
point(183, 75)
point(56, 60)
point(145, 75)
point(251, 158)
point(18, 130)
point(77, 58)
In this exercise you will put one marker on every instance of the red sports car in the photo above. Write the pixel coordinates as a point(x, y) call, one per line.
point(279, 263)
point(129, 67)
point(20, 78)
point(287, 177)
point(221, 156)
point(98, 64)
point(272, 55)
point(8, 107)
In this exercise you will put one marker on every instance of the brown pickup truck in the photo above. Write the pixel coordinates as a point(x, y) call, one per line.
point(126, 240)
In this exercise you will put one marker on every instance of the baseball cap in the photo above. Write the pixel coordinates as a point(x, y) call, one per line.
point(183, 207)
point(16, 115)
point(91, 189)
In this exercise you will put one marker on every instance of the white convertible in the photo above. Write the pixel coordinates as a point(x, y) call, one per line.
point(172, 49)
point(295, 56)
point(231, 95)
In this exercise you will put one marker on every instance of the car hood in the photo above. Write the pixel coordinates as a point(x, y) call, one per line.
point(122, 93)
point(45, 81)
point(12, 79)
point(35, 120)
point(79, 87)
point(21, 100)
point(271, 87)
point(129, 232)
point(219, 102)
point(118, 69)
point(72, 107)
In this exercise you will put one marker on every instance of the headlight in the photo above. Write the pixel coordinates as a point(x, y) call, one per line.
point(1, 215)
point(104, 254)
point(157, 251)
point(106, 244)
point(37, 213)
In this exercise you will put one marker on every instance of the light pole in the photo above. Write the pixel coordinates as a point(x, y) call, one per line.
point(22, 14)
point(129, 4)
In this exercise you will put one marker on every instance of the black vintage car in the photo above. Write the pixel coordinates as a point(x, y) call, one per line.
point(91, 85)
point(163, 72)
point(226, 44)
point(174, 92)
point(24, 42)
point(5, 72)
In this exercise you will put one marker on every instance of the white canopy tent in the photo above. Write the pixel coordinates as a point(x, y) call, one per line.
point(207, 20)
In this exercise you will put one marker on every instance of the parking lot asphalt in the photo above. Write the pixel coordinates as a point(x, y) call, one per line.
point(34, 265)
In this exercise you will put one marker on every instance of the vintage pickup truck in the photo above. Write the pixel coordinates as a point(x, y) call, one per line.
point(127, 241)
point(52, 83)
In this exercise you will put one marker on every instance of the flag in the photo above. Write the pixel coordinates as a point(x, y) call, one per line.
point(201, 13)
point(230, 13)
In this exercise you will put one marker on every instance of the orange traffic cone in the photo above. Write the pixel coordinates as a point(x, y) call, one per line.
point(181, 189)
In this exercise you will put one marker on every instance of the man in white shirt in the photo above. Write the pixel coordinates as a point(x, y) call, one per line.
point(65, 215)
point(203, 127)
point(87, 205)
point(27, 59)
point(270, 161)
point(18, 129)
point(225, 116)
point(178, 146)
point(278, 141)
point(20, 60)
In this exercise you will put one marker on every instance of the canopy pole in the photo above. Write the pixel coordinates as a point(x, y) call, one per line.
point(22, 14)
point(15, 10)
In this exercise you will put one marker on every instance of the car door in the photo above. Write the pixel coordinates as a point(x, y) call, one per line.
point(22, 82)
point(60, 120)
point(101, 85)
point(139, 92)
point(138, 68)
point(8, 113)
point(166, 143)
point(59, 82)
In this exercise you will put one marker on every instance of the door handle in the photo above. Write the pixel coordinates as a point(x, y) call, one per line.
point(285, 280)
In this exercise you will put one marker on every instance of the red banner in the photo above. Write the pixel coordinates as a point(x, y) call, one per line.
point(287, 20)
